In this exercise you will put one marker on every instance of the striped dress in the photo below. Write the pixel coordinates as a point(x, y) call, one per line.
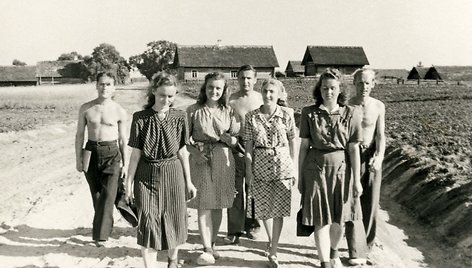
point(213, 179)
point(159, 184)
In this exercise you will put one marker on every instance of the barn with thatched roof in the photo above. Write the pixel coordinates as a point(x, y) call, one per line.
point(17, 76)
point(417, 73)
point(58, 72)
point(294, 69)
point(449, 73)
point(194, 62)
point(345, 58)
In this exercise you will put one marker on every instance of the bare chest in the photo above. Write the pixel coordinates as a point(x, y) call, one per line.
point(99, 115)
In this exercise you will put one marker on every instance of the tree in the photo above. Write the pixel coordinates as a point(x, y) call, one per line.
point(70, 56)
point(18, 63)
point(159, 56)
point(105, 58)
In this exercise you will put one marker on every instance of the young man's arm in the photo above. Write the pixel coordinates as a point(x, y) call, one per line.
point(79, 138)
point(379, 139)
point(123, 140)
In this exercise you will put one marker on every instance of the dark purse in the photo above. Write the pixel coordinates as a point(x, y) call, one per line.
point(303, 230)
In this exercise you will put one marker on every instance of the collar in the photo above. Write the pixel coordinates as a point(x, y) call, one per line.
point(335, 109)
point(278, 111)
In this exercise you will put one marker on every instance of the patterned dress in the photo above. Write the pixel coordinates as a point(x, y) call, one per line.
point(159, 184)
point(213, 179)
point(272, 165)
point(326, 183)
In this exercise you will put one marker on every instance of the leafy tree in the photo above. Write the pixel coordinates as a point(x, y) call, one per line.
point(70, 56)
point(159, 56)
point(18, 63)
point(105, 58)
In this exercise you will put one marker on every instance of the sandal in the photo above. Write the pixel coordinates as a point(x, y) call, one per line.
point(273, 262)
point(267, 250)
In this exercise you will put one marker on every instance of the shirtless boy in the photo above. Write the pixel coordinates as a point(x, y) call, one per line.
point(243, 101)
point(105, 150)
point(372, 155)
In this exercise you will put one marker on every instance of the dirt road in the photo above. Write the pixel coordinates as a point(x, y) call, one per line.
point(46, 213)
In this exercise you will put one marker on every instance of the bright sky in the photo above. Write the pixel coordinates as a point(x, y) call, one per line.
point(394, 33)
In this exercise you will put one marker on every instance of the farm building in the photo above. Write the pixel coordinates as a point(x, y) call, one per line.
point(449, 73)
point(194, 62)
point(417, 73)
point(391, 74)
point(294, 69)
point(58, 72)
point(17, 76)
point(346, 59)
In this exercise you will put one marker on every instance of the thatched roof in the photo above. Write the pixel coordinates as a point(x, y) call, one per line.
point(295, 66)
point(449, 73)
point(55, 68)
point(335, 55)
point(417, 73)
point(17, 73)
point(391, 73)
point(225, 56)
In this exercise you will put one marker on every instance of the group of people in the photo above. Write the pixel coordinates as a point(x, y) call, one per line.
point(237, 152)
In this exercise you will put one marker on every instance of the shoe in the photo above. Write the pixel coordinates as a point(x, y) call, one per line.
point(273, 262)
point(251, 235)
point(172, 263)
point(231, 240)
point(336, 263)
point(99, 243)
point(357, 261)
point(216, 254)
point(206, 258)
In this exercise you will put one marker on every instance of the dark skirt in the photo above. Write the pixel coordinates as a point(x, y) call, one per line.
point(159, 191)
point(327, 189)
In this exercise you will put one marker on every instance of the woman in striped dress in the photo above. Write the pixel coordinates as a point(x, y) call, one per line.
point(269, 134)
point(213, 130)
point(159, 169)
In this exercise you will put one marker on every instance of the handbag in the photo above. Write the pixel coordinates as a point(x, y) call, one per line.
point(302, 229)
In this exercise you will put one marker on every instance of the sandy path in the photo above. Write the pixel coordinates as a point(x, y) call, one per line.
point(46, 216)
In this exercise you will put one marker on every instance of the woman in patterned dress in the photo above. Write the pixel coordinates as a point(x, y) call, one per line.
point(159, 170)
point(213, 130)
point(269, 135)
point(330, 133)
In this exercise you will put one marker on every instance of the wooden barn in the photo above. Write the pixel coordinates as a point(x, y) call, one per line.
point(194, 62)
point(58, 72)
point(294, 69)
point(396, 75)
point(449, 73)
point(417, 73)
point(346, 59)
point(17, 76)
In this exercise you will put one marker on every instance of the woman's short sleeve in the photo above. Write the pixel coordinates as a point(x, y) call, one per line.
point(135, 139)
point(355, 128)
point(304, 124)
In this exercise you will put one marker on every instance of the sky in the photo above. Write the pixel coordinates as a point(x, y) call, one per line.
point(393, 33)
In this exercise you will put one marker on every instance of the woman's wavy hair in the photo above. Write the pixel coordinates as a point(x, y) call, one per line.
point(282, 100)
point(202, 97)
point(158, 79)
point(329, 73)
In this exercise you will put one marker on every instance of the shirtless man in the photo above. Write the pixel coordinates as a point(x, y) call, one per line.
point(243, 101)
point(103, 154)
point(372, 154)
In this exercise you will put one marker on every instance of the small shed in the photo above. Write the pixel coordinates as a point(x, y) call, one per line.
point(449, 73)
point(194, 62)
point(17, 76)
point(294, 69)
point(417, 73)
point(345, 58)
point(58, 72)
